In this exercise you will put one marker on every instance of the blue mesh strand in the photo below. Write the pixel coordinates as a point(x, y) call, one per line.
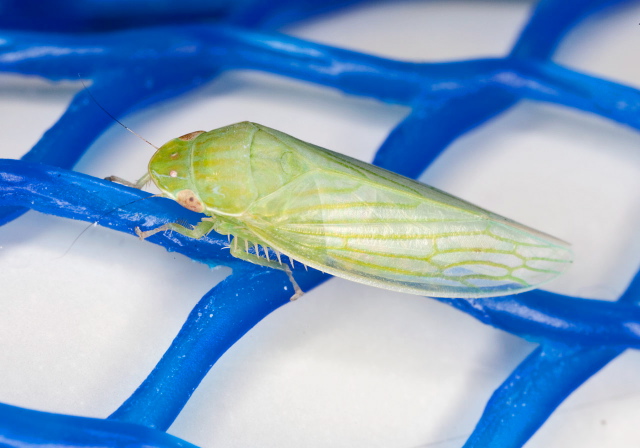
point(577, 337)
point(23, 427)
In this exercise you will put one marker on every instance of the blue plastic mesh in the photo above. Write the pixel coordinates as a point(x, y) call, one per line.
point(188, 45)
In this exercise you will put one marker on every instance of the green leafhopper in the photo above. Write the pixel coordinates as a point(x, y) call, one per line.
point(346, 217)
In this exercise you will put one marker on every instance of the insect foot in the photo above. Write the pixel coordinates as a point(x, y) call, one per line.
point(298, 291)
point(138, 185)
point(146, 234)
point(297, 295)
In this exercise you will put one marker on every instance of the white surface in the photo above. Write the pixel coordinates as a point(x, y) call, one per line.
point(347, 365)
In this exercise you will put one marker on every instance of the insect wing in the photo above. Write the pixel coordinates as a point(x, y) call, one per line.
point(403, 235)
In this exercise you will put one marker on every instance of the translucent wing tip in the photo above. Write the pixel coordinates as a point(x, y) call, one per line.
point(542, 258)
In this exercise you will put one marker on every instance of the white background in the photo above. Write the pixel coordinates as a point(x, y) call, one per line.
point(348, 365)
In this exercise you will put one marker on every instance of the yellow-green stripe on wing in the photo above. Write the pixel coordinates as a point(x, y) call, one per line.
point(400, 240)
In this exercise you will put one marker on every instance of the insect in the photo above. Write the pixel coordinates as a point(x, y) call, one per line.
point(345, 217)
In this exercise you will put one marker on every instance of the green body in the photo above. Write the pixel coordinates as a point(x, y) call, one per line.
point(349, 218)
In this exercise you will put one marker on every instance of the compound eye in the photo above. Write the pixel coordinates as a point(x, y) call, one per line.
point(189, 200)
point(190, 135)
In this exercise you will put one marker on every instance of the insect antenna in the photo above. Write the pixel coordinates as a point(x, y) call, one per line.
point(95, 223)
point(140, 184)
point(112, 117)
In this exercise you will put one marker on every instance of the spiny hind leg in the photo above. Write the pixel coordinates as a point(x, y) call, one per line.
point(196, 232)
point(240, 249)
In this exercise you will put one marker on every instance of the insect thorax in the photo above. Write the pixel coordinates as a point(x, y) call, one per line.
point(229, 168)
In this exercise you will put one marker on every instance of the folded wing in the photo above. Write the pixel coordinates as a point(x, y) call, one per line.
point(413, 239)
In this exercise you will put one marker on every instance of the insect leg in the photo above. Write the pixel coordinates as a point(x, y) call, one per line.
point(197, 232)
point(139, 184)
point(237, 252)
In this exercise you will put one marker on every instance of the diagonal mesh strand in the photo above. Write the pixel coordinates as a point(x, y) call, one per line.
point(187, 45)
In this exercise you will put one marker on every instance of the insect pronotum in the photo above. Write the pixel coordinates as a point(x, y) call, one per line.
point(345, 217)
